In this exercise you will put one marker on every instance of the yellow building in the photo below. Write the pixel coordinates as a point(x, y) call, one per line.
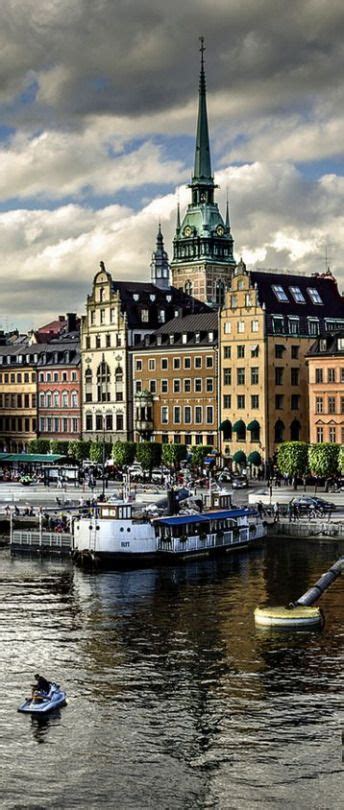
point(18, 397)
point(267, 324)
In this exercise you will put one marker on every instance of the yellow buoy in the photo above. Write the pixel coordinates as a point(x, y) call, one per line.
point(299, 616)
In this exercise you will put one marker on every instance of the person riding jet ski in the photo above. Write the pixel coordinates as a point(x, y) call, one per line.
point(42, 685)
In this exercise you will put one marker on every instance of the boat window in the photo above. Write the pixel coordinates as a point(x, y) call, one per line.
point(128, 530)
point(121, 529)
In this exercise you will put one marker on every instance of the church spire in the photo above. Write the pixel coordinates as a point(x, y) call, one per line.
point(160, 268)
point(202, 168)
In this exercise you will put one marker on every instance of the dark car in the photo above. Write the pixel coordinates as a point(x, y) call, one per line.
point(239, 482)
point(311, 505)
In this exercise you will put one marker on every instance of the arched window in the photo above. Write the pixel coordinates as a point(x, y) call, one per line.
point(279, 431)
point(220, 292)
point(188, 287)
point(295, 429)
point(56, 399)
point(42, 400)
point(88, 385)
point(88, 375)
point(119, 374)
point(65, 399)
point(74, 399)
point(103, 382)
point(48, 399)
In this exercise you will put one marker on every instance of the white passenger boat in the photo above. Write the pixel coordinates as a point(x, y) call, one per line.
point(121, 534)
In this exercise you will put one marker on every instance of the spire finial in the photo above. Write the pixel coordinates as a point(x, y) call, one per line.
point(202, 167)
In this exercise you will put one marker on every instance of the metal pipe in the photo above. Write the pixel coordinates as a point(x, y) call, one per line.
point(321, 585)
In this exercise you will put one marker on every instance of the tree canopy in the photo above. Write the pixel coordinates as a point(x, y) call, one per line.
point(292, 458)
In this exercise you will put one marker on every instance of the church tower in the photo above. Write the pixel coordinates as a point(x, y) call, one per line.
point(203, 244)
point(160, 269)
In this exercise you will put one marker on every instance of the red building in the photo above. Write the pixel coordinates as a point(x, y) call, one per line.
point(58, 389)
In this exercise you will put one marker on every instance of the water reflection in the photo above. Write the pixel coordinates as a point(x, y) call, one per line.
point(40, 726)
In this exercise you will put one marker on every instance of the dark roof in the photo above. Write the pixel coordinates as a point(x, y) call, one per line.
point(191, 325)
point(149, 296)
point(202, 517)
point(326, 285)
point(45, 353)
point(328, 345)
point(202, 322)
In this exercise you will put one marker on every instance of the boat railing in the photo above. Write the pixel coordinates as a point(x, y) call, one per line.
point(42, 539)
point(199, 542)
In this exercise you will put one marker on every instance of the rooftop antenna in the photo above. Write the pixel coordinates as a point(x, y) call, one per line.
point(327, 258)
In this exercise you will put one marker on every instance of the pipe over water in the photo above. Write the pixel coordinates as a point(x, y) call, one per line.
point(321, 585)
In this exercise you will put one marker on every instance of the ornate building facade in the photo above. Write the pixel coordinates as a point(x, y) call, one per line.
point(325, 361)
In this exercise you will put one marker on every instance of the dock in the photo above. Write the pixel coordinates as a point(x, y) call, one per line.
point(38, 542)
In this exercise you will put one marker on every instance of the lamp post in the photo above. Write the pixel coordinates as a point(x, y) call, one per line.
point(103, 459)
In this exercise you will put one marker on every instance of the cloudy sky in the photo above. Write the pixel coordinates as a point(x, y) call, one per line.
point(98, 114)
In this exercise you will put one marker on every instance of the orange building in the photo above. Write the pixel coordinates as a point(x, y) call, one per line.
point(326, 389)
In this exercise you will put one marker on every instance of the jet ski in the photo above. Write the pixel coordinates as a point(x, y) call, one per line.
point(44, 702)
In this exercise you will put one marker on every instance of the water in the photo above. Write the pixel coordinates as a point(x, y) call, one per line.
point(176, 700)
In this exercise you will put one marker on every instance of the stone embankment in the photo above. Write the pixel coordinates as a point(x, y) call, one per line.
point(304, 528)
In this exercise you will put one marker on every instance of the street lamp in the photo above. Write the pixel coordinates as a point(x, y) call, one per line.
point(103, 459)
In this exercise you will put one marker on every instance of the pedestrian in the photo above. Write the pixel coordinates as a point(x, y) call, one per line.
point(290, 511)
point(276, 511)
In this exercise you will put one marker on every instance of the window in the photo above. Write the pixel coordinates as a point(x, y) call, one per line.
point(164, 363)
point(151, 364)
point(210, 337)
point(227, 328)
point(187, 386)
point(198, 415)
point(209, 385)
point(342, 407)
point(209, 362)
point(56, 399)
point(177, 386)
point(227, 401)
point(331, 375)
point(279, 431)
point(240, 376)
point(254, 375)
point(318, 375)
point(331, 404)
point(280, 294)
point(254, 401)
point(279, 402)
point(240, 351)
point(319, 405)
point(314, 295)
point(234, 301)
point(320, 434)
point(254, 351)
point(103, 382)
point(152, 386)
point(241, 326)
point(119, 421)
point(197, 337)
point(56, 425)
point(198, 438)
point(176, 415)
point(295, 402)
point(198, 385)
point(295, 352)
point(279, 375)
point(332, 435)
point(144, 315)
point(89, 421)
point(41, 425)
point(187, 415)
point(278, 324)
point(255, 326)
point(164, 415)
point(297, 295)
point(227, 352)
point(87, 342)
point(176, 363)
point(102, 316)
point(184, 338)
point(210, 414)
point(187, 362)
point(41, 400)
point(138, 386)
point(342, 375)
point(293, 326)
point(75, 425)
point(241, 401)
point(138, 365)
point(294, 376)
point(279, 351)
point(198, 362)
point(161, 316)
point(164, 386)
point(227, 376)
point(313, 326)
point(65, 399)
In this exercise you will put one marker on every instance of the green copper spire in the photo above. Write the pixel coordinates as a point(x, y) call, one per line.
point(202, 169)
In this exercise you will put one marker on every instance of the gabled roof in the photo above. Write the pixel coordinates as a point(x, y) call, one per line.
point(326, 285)
point(328, 345)
point(136, 296)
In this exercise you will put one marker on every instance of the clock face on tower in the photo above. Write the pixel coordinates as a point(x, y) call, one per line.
point(187, 231)
point(220, 230)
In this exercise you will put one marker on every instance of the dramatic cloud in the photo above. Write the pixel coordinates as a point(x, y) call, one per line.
point(98, 104)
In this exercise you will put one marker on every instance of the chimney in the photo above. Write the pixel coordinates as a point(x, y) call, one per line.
point(71, 322)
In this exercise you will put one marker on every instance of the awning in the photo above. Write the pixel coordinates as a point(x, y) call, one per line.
point(32, 458)
point(254, 425)
point(239, 426)
point(225, 425)
point(239, 457)
point(255, 458)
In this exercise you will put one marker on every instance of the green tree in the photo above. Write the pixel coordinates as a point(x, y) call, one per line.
point(292, 459)
point(323, 459)
point(198, 454)
point(148, 454)
point(341, 459)
point(123, 453)
point(59, 447)
point(79, 449)
point(96, 452)
point(39, 446)
point(173, 454)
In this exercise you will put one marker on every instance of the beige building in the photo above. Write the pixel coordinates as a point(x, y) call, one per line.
point(18, 397)
point(326, 389)
point(268, 323)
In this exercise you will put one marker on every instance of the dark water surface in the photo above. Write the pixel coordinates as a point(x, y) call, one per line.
point(176, 700)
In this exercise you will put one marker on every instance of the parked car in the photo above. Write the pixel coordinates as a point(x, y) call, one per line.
point(311, 505)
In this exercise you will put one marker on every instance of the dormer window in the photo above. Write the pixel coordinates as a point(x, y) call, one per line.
point(340, 344)
point(278, 324)
point(152, 298)
point(297, 295)
point(136, 297)
point(184, 337)
point(323, 345)
point(171, 338)
point(144, 315)
point(280, 294)
point(294, 325)
point(197, 337)
point(210, 337)
point(313, 326)
point(161, 316)
point(314, 296)
point(168, 298)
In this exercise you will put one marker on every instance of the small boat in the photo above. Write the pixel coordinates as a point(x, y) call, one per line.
point(42, 703)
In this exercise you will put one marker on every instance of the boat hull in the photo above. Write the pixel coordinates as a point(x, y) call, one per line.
point(53, 701)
